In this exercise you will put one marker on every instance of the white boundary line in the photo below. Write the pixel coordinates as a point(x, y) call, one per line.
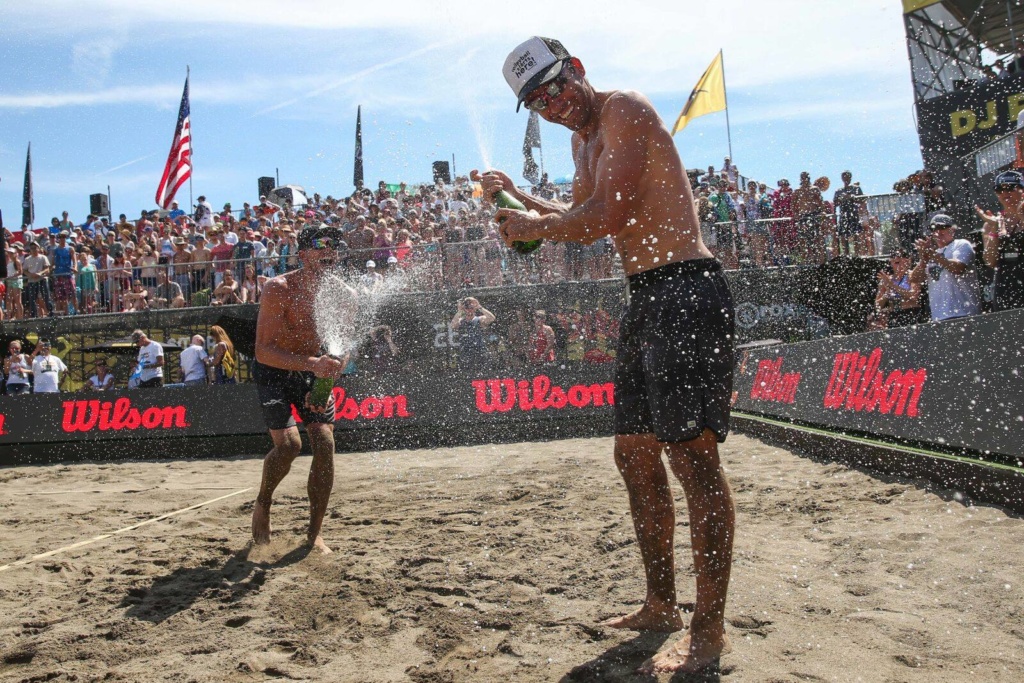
point(102, 537)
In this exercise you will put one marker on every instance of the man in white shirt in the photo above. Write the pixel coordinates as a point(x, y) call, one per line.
point(151, 361)
point(46, 369)
point(194, 361)
point(103, 380)
point(948, 266)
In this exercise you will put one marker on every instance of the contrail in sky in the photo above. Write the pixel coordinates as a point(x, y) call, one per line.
point(356, 76)
point(126, 164)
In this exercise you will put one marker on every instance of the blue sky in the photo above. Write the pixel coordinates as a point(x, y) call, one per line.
point(820, 86)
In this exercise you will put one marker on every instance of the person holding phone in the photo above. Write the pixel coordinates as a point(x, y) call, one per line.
point(947, 265)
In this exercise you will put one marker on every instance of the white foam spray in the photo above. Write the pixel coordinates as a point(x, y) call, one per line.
point(347, 305)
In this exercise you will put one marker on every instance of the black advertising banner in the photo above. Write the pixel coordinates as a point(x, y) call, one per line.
point(958, 384)
point(954, 384)
point(66, 421)
point(962, 121)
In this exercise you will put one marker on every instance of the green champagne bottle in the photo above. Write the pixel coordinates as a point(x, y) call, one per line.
point(320, 395)
point(504, 200)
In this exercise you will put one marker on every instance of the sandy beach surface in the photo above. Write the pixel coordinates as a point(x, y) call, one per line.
point(492, 563)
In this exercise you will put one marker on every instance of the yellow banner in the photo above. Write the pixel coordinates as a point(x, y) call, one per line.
point(708, 95)
point(914, 5)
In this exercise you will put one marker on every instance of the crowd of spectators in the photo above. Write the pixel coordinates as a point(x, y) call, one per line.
point(443, 237)
point(437, 236)
point(745, 223)
point(44, 372)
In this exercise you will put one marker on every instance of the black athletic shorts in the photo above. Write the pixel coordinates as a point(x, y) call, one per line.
point(279, 390)
point(673, 374)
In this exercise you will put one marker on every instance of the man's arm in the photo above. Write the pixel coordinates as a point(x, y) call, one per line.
point(487, 316)
point(625, 133)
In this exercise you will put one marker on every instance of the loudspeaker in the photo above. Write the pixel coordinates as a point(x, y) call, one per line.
point(99, 205)
point(266, 184)
point(442, 171)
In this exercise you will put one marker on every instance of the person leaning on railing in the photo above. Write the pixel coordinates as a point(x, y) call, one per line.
point(15, 282)
point(167, 294)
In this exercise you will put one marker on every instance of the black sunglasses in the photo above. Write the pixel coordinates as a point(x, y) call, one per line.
point(548, 92)
point(1008, 188)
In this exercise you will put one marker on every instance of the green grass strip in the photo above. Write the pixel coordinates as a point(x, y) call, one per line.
point(881, 444)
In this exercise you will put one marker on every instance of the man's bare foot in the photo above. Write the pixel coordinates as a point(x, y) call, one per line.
point(319, 546)
point(688, 656)
point(650, 617)
point(260, 523)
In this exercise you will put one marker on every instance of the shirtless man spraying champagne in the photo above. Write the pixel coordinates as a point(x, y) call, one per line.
point(673, 381)
point(288, 359)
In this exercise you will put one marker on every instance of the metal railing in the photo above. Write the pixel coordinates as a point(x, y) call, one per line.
point(424, 267)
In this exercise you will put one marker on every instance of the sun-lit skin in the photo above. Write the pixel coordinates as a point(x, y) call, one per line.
point(630, 183)
point(285, 339)
point(650, 214)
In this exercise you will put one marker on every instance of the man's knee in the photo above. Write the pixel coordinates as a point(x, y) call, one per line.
point(321, 439)
point(696, 457)
point(638, 456)
point(287, 445)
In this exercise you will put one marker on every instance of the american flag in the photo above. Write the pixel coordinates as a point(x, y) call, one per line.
point(179, 161)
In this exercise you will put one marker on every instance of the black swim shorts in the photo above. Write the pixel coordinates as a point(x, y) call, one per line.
point(279, 390)
point(673, 376)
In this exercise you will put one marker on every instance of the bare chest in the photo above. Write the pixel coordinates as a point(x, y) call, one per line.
point(586, 159)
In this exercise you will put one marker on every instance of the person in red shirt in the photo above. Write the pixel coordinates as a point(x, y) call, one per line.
point(542, 343)
point(783, 232)
point(220, 252)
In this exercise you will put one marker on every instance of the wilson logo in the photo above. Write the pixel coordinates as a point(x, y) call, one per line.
point(771, 385)
point(502, 395)
point(87, 416)
point(2, 430)
point(859, 383)
point(370, 408)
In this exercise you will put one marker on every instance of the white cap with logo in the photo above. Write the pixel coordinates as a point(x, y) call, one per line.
point(533, 64)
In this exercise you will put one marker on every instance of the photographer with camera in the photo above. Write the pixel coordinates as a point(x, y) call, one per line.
point(470, 321)
point(947, 265)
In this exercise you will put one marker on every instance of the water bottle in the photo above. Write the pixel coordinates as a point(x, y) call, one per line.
point(504, 200)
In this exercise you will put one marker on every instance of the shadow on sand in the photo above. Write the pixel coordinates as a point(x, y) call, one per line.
point(176, 592)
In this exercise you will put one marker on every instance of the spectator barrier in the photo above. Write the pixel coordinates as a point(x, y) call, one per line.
point(951, 385)
point(195, 421)
point(954, 384)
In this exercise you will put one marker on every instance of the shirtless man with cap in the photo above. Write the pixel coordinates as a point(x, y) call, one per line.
point(673, 381)
point(288, 359)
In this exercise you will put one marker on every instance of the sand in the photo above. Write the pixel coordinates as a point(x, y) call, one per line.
point(492, 563)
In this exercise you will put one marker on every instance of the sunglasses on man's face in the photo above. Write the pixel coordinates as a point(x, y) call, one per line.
point(547, 93)
point(1007, 188)
point(323, 243)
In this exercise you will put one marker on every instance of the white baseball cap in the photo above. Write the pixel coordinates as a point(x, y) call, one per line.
point(371, 264)
point(533, 64)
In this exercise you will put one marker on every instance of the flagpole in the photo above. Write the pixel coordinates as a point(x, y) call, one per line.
point(192, 206)
point(541, 148)
point(725, 90)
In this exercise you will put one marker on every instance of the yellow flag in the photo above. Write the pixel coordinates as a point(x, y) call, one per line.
point(708, 95)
